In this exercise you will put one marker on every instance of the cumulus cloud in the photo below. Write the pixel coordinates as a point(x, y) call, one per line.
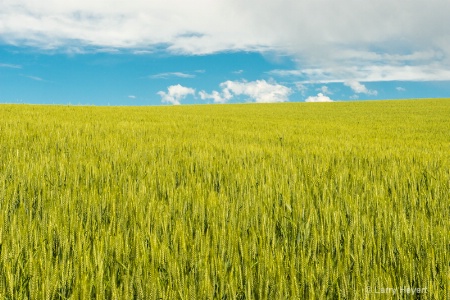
point(359, 88)
point(385, 34)
point(319, 98)
point(259, 91)
point(216, 96)
point(175, 93)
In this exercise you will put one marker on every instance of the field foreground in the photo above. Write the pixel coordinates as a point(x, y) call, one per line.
point(270, 201)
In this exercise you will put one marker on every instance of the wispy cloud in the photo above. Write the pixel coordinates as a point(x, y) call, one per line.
point(168, 75)
point(325, 90)
point(301, 87)
point(11, 66)
point(368, 73)
point(359, 88)
point(35, 78)
point(259, 91)
point(142, 52)
point(175, 93)
point(286, 73)
point(131, 96)
point(400, 89)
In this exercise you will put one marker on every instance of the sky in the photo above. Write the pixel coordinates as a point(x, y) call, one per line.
point(172, 52)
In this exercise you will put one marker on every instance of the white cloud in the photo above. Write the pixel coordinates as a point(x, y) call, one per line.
point(259, 91)
point(132, 96)
point(216, 96)
point(175, 93)
point(380, 39)
point(35, 78)
point(400, 89)
point(368, 73)
point(359, 88)
point(302, 88)
point(319, 98)
point(11, 66)
point(170, 75)
point(325, 90)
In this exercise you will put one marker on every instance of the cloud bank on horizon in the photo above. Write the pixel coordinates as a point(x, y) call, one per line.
point(259, 91)
point(348, 41)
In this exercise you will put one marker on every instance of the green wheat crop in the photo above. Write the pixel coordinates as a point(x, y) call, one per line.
point(270, 201)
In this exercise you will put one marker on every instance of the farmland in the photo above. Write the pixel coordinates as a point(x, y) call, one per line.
point(252, 201)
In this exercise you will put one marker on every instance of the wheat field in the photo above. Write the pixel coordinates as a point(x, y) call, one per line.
point(243, 201)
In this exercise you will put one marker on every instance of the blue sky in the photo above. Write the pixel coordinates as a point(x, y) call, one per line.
point(171, 52)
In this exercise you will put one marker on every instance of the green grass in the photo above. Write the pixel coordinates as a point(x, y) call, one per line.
point(270, 201)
